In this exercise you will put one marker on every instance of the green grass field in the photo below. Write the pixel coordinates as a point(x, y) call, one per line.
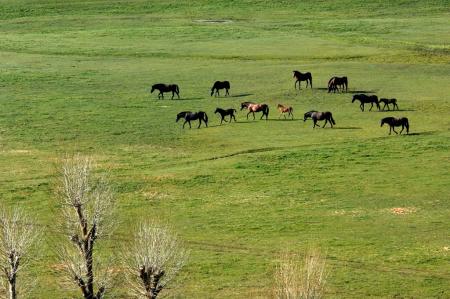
point(74, 77)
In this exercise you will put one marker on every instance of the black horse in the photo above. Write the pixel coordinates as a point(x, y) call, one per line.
point(225, 112)
point(365, 99)
point(302, 77)
point(387, 102)
point(396, 122)
point(166, 88)
point(316, 116)
point(189, 116)
point(220, 85)
point(335, 82)
point(182, 115)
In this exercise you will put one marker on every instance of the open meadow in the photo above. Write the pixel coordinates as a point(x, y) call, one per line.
point(75, 78)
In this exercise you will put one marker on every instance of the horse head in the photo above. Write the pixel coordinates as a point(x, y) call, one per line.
point(355, 97)
point(153, 89)
point(295, 73)
point(244, 105)
point(217, 110)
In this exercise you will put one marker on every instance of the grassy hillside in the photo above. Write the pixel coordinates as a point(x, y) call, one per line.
point(74, 77)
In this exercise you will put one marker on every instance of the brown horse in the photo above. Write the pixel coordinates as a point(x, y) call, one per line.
point(335, 82)
point(302, 77)
point(283, 110)
point(387, 102)
point(252, 108)
point(396, 122)
point(316, 116)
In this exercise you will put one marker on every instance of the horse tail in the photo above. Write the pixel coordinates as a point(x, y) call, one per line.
point(206, 117)
point(310, 80)
point(332, 119)
point(177, 89)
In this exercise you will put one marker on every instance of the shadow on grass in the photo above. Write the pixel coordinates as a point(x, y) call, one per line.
point(347, 128)
point(400, 110)
point(349, 91)
point(240, 95)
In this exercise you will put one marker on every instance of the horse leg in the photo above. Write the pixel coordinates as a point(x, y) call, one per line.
point(227, 93)
point(199, 122)
point(292, 115)
point(393, 129)
point(173, 94)
point(284, 115)
point(403, 127)
point(361, 107)
point(326, 120)
point(232, 116)
point(253, 115)
point(184, 123)
point(390, 129)
point(371, 106)
point(395, 106)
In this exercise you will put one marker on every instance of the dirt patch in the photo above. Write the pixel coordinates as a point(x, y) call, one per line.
point(403, 211)
point(214, 21)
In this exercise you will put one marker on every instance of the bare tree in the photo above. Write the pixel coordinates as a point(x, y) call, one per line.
point(17, 235)
point(87, 204)
point(295, 279)
point(154, 260)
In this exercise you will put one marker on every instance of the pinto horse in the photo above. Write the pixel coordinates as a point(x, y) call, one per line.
point(252, 108)
point(335, 82)
point(387, 102)
point(220, 85)
point(316, 116)
point(225, 112)
point(283, 110)
point(302, 77)
point(162, 88)
point(396, 122)
point(189, 116)
point(365, 99)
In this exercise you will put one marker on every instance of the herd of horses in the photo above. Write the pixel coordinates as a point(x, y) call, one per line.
point(335, 84)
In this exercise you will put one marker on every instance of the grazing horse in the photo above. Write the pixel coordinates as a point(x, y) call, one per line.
point(252, 108)
point(166, 88)
point(220, 85)
point(225, 112)
point(396, 122)
point(335, 82)
point(365, 99)
point(189, 116)
point(316, 116)
point(283, 110)
point(389, 101)
point(302, 77)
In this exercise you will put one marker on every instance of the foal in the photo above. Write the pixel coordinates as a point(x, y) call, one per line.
point(283, 110)
point(225, 112)
point(387, 102)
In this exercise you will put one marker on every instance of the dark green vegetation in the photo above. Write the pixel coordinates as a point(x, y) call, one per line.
point(74, 77)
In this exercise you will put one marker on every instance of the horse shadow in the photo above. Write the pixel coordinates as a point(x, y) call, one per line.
point(240, 95)
point(426, 133)
point(347, 128)
point(396, 110)
point(187, 99)
point(361, 91)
